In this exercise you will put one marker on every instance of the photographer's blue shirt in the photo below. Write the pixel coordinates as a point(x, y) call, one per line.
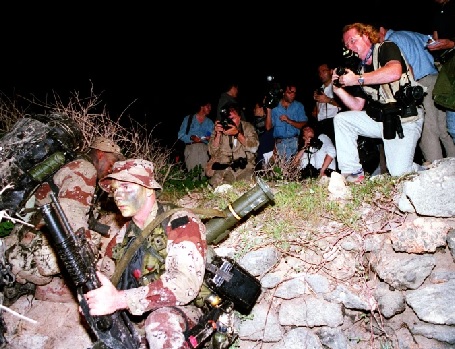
point(413, 47)
point(295, 111)
point(202, 130)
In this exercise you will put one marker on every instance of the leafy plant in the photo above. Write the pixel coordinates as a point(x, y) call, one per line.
point(5, 228)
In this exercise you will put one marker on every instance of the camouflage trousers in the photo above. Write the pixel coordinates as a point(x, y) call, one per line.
point(165, 327)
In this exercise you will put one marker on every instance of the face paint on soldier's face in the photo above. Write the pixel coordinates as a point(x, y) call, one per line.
point(129, 197)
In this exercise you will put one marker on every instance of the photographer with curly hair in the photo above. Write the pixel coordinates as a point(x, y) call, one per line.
point(232, 148)
point(382, 105)
point(316, 156)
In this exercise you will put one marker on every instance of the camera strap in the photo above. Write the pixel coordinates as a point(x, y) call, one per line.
point(189, 122)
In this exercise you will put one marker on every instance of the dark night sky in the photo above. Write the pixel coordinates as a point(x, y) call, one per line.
point(149, 62)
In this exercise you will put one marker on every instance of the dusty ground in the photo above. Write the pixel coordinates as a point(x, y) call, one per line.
point(58, 326)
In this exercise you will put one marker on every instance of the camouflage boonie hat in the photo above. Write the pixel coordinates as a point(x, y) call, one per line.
point(106, 145)
point(137, 171)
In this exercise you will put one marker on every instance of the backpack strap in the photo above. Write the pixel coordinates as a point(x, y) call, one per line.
point(189, 122)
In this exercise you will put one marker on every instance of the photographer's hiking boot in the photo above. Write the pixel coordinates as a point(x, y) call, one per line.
point(356, 177)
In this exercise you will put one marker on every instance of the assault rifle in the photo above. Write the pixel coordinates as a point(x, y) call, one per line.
point(114, 331)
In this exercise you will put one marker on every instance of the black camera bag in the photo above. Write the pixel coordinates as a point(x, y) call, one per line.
point(377, 110)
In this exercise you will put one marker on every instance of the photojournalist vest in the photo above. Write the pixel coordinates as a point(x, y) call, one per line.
point(385, 93)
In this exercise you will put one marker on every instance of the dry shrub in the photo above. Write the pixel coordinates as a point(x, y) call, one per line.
point(278, 168)
point(10, 112)
point(94, 120)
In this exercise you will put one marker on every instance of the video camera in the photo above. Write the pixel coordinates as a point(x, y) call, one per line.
point(274, 93)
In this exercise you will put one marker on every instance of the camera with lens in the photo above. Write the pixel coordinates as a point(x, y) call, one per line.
point(225, 120)
point(236, 164)
point(274, 93)
point(409, 94)
point(339, 71)
point(239, 163)
point(408, 97)
point(350, 60)
point(314, 145)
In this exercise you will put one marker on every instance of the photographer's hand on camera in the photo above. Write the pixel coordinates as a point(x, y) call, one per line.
point(350, 101)
point(345, 77)
point(232, 130)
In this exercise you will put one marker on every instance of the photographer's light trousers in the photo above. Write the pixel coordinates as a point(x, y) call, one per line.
point(399, 153)
point(435, 131)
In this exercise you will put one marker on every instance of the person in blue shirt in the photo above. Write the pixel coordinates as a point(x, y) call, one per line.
point(195, 132)
point(413, 45)
point(286, 119)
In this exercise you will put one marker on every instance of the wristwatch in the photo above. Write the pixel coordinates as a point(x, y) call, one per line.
point(361, 80)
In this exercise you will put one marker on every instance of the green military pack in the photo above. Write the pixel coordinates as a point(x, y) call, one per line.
point(444, 88)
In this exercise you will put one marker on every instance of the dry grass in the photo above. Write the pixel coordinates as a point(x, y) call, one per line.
point(278, 168)
point(10, 112)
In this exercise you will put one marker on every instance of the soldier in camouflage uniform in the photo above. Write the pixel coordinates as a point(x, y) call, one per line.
point(32, 258)
point(166, 273)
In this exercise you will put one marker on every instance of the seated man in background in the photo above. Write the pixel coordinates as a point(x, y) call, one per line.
point(232, 149)
point(316, 157)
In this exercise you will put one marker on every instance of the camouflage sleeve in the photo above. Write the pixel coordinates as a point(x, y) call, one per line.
point(185, 267)
point(76, 182)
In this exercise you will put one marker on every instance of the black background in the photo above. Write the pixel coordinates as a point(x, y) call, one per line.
point(149, 62)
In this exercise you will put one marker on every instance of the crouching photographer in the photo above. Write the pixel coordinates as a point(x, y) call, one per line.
point(316, 156)
point(381, 72)
point(232, 148)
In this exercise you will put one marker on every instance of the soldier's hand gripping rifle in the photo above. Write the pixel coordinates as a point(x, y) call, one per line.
point(114, 331)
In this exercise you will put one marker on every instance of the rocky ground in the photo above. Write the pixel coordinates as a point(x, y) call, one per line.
point(58, 324)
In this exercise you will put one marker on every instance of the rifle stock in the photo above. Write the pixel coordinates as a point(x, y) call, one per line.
point(114, 331)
